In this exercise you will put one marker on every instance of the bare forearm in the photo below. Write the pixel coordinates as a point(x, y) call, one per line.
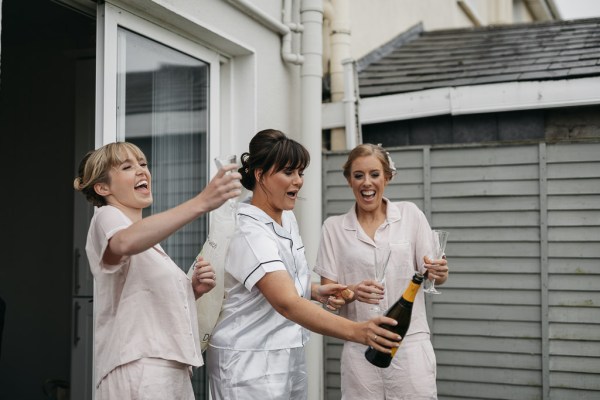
point(316, 319)
point(149, 231)
point(279, 290)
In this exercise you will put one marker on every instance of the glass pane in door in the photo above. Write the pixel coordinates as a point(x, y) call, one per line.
point(162, 105)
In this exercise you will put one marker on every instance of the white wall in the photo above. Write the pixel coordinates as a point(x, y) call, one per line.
point(259, 88)
point(373, 26)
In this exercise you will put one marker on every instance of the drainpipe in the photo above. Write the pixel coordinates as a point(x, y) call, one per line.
point(309, 211)
point(311, 13)
point(542, 10)
point(340, 50)
point(470, 12)
point(285, 30)
point(286, 40)
point(353, 136)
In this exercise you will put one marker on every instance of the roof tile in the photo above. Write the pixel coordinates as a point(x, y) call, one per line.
point(418, 60)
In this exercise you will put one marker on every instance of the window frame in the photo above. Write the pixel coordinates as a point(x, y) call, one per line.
point(109, 19)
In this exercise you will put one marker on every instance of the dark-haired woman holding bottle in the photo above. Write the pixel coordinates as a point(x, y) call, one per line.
point(257, 347)
point(346, 256)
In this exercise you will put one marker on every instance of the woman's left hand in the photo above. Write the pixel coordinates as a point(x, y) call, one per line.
point(204, 277)
point(436, 269)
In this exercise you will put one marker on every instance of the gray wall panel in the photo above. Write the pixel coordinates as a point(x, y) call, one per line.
point(462, 390)
point(572, 331)
point(472, 204)
point(500, 375)
point(505, 264)
point(574, 351)
point(573, 266)
point(490, 173)
point(488, 344)
point(480, 294)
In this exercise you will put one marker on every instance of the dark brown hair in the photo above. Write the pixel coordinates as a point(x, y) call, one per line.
point(268, 149)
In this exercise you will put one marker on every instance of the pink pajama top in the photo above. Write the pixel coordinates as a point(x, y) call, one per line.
point(144, 306)
point(346, 256)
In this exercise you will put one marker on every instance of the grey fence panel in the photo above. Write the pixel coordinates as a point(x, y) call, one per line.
point(519, 317)
point(574, 270)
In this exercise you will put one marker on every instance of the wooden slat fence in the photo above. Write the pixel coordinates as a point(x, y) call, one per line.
point(519, 317)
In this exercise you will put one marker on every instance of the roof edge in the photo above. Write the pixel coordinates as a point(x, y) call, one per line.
point(405, 37)
point(461, 100)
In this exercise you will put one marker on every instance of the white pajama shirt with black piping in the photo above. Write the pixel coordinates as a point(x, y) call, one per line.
point(255, 352)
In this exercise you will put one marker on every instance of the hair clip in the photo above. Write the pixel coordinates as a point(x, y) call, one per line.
point(390, 161)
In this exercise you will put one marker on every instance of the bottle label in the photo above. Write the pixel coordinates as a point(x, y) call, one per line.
point(394, 350)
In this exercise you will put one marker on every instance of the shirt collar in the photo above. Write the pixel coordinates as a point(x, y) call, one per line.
point(261, 216)
point(350, 221)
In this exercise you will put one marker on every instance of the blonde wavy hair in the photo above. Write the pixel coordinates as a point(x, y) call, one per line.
point(96, 164)
point(368, 149)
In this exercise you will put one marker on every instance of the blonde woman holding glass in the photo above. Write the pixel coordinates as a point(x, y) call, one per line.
point(346, 256)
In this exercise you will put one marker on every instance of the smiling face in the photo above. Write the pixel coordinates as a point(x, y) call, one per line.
point(276, 192)
point(368, 182)
point(129, 186)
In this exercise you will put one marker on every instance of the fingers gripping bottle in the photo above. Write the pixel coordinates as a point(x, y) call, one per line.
point(401, 311)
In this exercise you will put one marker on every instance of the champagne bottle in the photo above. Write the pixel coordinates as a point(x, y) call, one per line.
point(401, 311)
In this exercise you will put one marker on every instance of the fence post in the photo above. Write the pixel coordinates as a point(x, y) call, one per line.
point(543, 193)
point(427, 183)
point(428, 213)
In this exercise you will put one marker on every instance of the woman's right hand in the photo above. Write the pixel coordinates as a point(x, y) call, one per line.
point(369, 291)
point(381, 339)
point(224, 186)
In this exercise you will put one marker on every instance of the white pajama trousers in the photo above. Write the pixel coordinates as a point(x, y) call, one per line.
point(411, 376)
point(257, 375)
point(147, 379)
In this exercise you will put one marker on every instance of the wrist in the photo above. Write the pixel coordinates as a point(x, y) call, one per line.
point(200, 206)
point(314, 292)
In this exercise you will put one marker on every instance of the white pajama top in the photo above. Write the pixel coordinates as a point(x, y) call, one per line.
point(260, 245)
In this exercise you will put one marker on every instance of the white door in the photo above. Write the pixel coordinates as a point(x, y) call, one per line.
point(159, 90)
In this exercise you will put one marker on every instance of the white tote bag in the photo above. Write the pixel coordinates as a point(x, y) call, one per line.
point(214, 250)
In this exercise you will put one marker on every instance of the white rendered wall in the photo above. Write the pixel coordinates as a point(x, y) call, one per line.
point(261, 90)
point(396, 16)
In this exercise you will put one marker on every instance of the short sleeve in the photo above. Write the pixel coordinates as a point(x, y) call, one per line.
point(106, 223)
point(325, 264)
point(423, 239)
point(253, 252)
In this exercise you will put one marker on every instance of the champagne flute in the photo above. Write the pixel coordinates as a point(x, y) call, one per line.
point(381, 257)
point(221, 161)
point(439, 239)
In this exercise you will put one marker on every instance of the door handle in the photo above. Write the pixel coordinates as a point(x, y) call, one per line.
point(76, 257)
point(76, 337)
